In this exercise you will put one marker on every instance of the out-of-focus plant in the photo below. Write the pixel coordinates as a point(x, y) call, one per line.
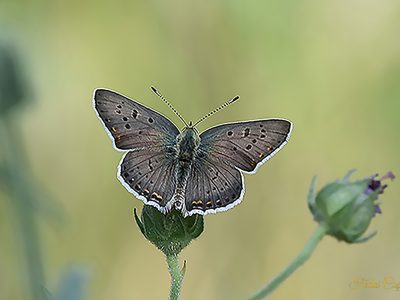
point(14, 174)
point(23, 191)
point(12, 86)
point(344, 210)
point(72, 285)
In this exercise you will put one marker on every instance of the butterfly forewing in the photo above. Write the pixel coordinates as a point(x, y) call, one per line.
point(246, 145)
point(131, 124)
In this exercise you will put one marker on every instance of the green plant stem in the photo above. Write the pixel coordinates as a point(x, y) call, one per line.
point(176, 276)
point(303, 256)
point(23, 204)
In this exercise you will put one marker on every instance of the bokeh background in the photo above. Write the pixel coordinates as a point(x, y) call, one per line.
point(331, 67)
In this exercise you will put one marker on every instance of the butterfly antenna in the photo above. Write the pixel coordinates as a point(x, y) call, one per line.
point(217, 110)
point(169, 105)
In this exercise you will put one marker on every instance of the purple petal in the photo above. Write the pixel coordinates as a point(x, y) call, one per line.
point(373, 186)
point(388, 175)
point(368, 191)
point(377, 209)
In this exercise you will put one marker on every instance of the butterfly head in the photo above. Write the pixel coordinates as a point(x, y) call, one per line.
point(189, 138)
point(191, 126)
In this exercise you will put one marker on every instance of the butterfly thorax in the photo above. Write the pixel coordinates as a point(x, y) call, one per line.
point(188, 141)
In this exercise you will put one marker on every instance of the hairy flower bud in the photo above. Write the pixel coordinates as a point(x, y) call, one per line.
point(346, 208)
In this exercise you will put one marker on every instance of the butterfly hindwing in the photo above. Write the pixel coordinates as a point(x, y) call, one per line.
point(132, 125)
point(149, 175)
point(212, 186)
point(246, 145)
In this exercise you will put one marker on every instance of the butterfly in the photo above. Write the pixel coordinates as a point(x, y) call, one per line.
point(196, 173)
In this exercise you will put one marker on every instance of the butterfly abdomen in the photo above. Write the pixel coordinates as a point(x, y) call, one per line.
point(187, 144)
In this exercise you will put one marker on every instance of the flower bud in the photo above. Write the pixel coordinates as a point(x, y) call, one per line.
point(346, 208)
point(169, 232)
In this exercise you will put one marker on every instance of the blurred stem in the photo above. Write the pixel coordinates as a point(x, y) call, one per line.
point(303, 256)
point(176, 276)
point(22, 200)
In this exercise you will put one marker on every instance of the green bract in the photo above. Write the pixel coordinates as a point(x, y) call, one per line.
point(170, 232)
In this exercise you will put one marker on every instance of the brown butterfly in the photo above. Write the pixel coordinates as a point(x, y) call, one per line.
point(191, 172)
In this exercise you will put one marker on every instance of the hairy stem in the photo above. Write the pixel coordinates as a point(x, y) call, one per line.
point(176, 276)
point(303, 256)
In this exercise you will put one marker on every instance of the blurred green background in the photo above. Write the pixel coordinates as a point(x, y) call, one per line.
point(331, 67)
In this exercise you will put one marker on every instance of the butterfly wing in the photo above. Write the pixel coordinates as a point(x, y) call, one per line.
point(215, 182)
point(212, 186)
point(149, 175)
point(132, 125)
point(148, 169)
point(246, 145)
